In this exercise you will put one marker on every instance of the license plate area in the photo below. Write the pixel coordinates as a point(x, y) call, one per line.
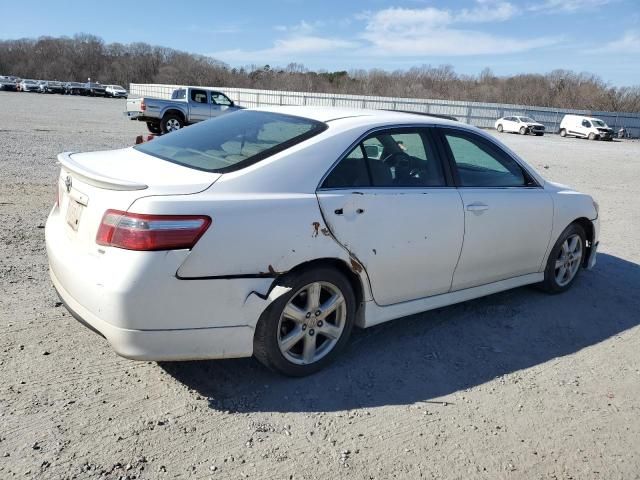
point(74, 212)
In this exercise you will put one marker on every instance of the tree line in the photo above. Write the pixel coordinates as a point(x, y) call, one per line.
point(87, 56)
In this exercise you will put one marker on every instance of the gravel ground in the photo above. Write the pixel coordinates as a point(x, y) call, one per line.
point(515, 385)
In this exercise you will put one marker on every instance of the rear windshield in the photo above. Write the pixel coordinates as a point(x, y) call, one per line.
point(233, 140)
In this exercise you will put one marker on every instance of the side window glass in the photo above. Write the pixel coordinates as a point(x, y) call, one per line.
point(220, 99)
point(403, 161)
point(480, 164)
point(585, 123)
point(199, 96)
point(350, 172)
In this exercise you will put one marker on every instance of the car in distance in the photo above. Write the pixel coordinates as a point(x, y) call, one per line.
point(27, 85)
point(95, 89)
point(187, 106)
point(50, 87)
point(115, 91)
point(585, 127)
point(75, 88)
point(8, 84)
point(519, 124)
point(272, 232)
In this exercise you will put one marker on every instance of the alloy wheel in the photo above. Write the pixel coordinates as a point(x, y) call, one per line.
point(569, 260)
point(311, 323)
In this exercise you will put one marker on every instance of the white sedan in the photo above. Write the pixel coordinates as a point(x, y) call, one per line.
point(272, 232)
point(521, 125)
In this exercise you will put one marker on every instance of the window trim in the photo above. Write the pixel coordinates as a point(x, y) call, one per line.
point(442, 130)
point(427, 133)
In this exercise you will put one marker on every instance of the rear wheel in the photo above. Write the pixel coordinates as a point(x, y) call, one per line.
point(563, 132)
point(565, 260)
point(153, 127)
point(500, 129)
point(306, 328)
point(171, 123)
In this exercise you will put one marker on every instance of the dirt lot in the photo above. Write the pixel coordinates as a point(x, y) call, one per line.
point(516, 385)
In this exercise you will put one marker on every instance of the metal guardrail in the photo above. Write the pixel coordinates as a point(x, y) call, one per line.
point(475, 113)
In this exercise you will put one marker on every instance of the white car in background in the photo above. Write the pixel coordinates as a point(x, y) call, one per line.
point(29, 85)
point(519, 124)
point(274, 231)
point(585, 127)
point(115, 91)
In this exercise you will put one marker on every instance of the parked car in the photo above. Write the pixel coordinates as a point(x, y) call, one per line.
point(585, 127)
point(271, 232)
point(50, 87)
point(115, 91)
point(28, 85)
point(187, 106)
point(8, 84)
point(75, 88)
point(95, 89)
point(519, 124)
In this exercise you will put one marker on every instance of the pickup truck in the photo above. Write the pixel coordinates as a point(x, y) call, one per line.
point(187, 105)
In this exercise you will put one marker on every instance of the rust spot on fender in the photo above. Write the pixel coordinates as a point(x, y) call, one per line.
point(316, 228)
point(355, 265)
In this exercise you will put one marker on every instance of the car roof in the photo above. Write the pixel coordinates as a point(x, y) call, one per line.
point(357, 115)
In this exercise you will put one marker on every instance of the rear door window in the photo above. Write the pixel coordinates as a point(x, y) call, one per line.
point(390, 159)
point(199, 96)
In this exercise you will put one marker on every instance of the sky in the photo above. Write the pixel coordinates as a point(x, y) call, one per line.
point(509, 37)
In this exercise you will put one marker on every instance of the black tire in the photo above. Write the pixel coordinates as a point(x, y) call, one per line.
point(550, 283)
point(540, 134)
point(523, 130)
point(153, 127)
point(592, 136)
point(168, 119)
point(563, 132)
point(500, 128)
point(265, 340)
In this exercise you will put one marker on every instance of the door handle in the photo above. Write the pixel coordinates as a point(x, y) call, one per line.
point(338, 211)
point(477, 207)
point(360, 211)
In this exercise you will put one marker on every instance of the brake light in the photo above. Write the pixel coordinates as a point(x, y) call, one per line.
point(135, 231)
point(143, 107)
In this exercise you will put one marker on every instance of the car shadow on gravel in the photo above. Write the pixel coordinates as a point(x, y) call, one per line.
point(427, 356)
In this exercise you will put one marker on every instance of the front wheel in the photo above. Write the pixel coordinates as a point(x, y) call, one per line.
point(171, 123)
point(565, 260)
point(306, 328)
point(592, 136)
point(523, 130)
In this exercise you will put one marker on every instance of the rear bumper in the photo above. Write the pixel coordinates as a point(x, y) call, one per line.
point(163, 345)
point(135, 300)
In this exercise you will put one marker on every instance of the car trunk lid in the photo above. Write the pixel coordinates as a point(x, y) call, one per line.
point(91, 183)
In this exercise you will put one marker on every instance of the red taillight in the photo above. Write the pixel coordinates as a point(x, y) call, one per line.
point(135, 231)
point(143, 107)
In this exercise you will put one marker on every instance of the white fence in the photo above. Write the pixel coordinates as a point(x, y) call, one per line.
point(474, 113)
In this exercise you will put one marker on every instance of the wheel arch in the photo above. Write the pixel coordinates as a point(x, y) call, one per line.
point(587, 226)
point(174, 111)
point(351, 273)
